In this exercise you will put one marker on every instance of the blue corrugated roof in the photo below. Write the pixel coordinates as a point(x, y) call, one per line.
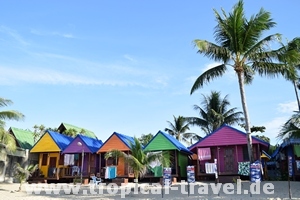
point(284, 144)
point(266, 154)
point(92, 143)
point(61, 140)
point(175, 142)
point(126, 139)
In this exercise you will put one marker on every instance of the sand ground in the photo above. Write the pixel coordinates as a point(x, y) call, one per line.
point(199, 190)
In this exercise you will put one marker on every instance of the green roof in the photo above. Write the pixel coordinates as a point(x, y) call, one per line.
point(24, 138)
point(78, 129)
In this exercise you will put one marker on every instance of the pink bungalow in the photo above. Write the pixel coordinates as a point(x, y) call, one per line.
point(229, 146)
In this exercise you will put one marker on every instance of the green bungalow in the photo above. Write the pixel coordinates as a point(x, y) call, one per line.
point(24, 142)
point(179, 154)
point(64, 126)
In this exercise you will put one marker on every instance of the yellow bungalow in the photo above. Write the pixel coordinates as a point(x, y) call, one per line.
point(49, 147)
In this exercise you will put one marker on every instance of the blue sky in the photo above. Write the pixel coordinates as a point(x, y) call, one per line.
point(126, 66)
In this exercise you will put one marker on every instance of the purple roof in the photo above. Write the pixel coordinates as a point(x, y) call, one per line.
point(90, 145)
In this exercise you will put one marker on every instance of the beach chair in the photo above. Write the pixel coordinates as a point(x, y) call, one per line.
point(95, 181)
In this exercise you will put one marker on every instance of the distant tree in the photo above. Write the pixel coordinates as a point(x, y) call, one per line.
point(272, 149)
point(263, 137)
point(179, 130)
point(82, 131)
point(145, 138)
point(254, 129)
point(70, 132)
point(38, 132)
point(261, 129)
point(214, 112)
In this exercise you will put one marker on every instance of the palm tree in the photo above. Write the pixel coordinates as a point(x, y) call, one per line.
point(291, 128)
point(179, 130)
point(10, 114)
point(22, 174)
point(293, 45)
point(139, 160)
point(239, 45)
point(214, 112)
point(5, 137)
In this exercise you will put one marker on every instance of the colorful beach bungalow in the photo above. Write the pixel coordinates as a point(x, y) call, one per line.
point(179, 154)
point(229, 146)
point(81, 147)
point(112, 168)
point(287, 155)
point(50, 147)
point(65, 126)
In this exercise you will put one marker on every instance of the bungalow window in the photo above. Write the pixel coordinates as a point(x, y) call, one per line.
point(246, 155)
point(44, 159)
point(111, 161)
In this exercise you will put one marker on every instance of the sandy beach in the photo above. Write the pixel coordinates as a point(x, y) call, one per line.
point(199, 190)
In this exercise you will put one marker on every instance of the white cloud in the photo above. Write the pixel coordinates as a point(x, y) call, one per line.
point(46, 76)
point(13, 34)
point(209, 66)
point(287, 107)
point(273, 128)
point(130, 58)
point(53, 33)
point(229, 74)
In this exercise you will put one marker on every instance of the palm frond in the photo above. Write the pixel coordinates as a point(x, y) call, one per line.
point(213, 51)
point(208, 75)
point(11, 114)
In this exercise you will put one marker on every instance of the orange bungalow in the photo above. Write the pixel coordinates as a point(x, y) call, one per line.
point(112, 167)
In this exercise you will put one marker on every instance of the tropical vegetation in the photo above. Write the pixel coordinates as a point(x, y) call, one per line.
point(23, 173)
point(138, 159)
point(179, 129)
point(145, 138)
point(5, 138)
point(291, 128)
point(214, 112)
point(242, 45)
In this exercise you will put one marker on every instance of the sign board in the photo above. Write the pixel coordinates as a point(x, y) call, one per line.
point(290, 162)
point(190, 174)
point(167, 178)
point(255, 171)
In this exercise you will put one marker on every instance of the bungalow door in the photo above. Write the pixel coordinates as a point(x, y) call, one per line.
point(52, 167)
point(228, 160)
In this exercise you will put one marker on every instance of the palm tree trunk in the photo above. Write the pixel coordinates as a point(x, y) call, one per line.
point(247, 120)
point(296, 92)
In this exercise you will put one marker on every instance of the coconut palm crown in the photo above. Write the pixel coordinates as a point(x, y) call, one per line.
point(179, 129)
point(240, 45)
point(214, 112)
